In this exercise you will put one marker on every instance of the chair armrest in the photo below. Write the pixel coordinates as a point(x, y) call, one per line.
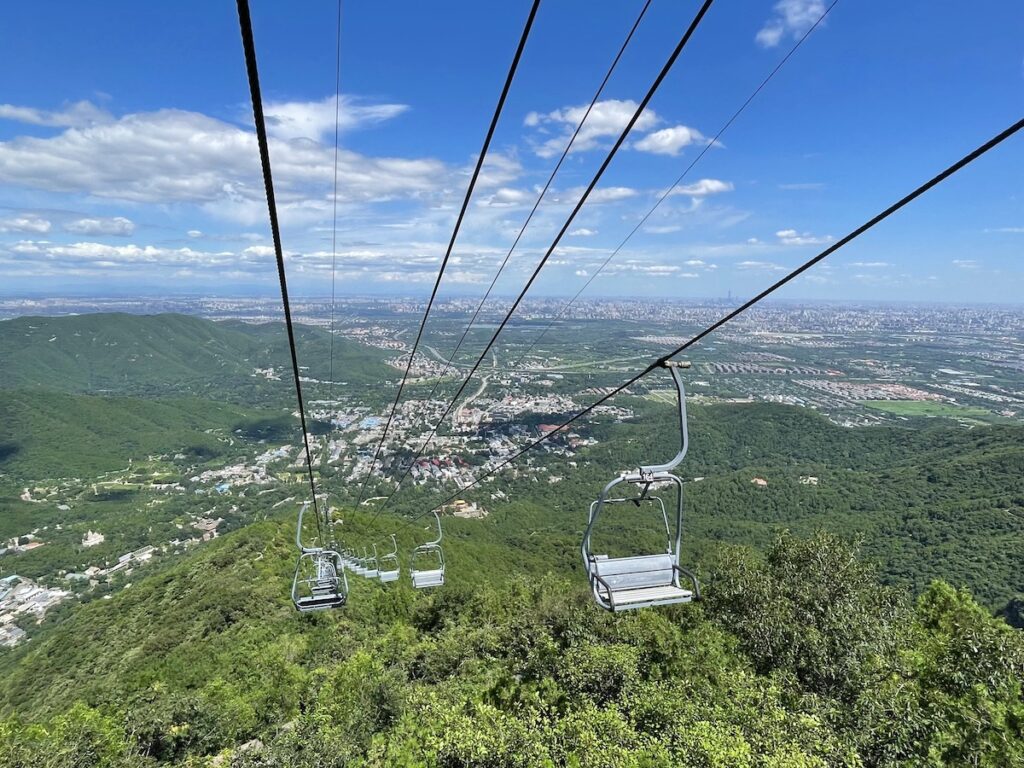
point(691, 577)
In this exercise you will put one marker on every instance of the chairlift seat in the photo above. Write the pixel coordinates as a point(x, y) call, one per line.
point(320, 602)
point(388, 576)
point(322, 589)
point(434, 578)
point(637, 582)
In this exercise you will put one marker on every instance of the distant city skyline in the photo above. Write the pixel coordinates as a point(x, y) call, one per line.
point(143, 180)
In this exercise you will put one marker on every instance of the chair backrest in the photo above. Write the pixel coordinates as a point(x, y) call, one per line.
point(621, 573)
point(422, 579)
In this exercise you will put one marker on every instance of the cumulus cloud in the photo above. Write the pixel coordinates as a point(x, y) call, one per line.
point(606, 120)
point(81, 113)
point(642, 267)
point(572, 195)
point(765, 266)
point(870, 264)
point(411, 262)
point(583, 232)
point(704, 187)
point(194, 233)
point(171, 156)
point(499, 169)
point(669, 141)
point(792, 237)
point(315, 119)
point(965, 263)
point(28, 223)
point(118, 225)
point(506, 197)
point(611, 194)
point(793, 18)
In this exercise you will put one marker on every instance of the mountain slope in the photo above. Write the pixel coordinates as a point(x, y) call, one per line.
point(167, 354)
point(781, 666)
point(50, 434)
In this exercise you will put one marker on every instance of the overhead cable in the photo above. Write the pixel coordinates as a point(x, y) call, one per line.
point(451, 244)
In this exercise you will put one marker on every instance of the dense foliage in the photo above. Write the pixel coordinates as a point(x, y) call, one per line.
point(799, 658)
point(170, 354)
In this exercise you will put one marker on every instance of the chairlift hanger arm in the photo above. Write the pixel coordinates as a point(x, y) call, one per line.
point(673, 368)
point(298, 532)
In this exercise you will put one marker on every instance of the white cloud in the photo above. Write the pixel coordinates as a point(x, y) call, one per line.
point(792, 237)
point(583, 232)
point(259, 250)
point(28, 222)
point(506, 197)
point(704, 187)
point(193, 233)
point(79, 114)
point(118, 225)
point(499, 169)
point(411, 262)
point(965, 263)
point(173, 156)
point(611, 194)
point(1008, 230)
point(765, 266)
point(315, 119)
point(606, 120)
point(582, 273)
point(669, 141)
point(663, 230)
point(870, 264)
point(793, 18)
point(638, 266)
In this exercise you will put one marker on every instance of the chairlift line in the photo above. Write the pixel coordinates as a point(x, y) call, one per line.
point(853, 235)
point(617, 582)
point(666, 68)
point(451, 243)
point(319, 582)
point(389, 568)
point(700, 156)
point(252, 72)
point(515, 244)
point(644, 580)
point(334, 220)
point(431, 574)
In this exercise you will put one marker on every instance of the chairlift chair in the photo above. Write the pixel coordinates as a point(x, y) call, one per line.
point(644, 580)
point(430, 560)
point(388, 568)
point(319, 582)
point(372, 568)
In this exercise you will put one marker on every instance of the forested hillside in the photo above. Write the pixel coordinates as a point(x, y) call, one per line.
point(50, 434)
point(159, 355)
point(799, 658)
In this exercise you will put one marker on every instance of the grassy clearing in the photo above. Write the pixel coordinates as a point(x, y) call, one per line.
point(915, 408)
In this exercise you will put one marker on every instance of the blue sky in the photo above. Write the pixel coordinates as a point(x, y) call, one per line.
point(128, 162)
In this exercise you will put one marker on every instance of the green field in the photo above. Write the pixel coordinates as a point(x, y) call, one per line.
point(926, 408)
